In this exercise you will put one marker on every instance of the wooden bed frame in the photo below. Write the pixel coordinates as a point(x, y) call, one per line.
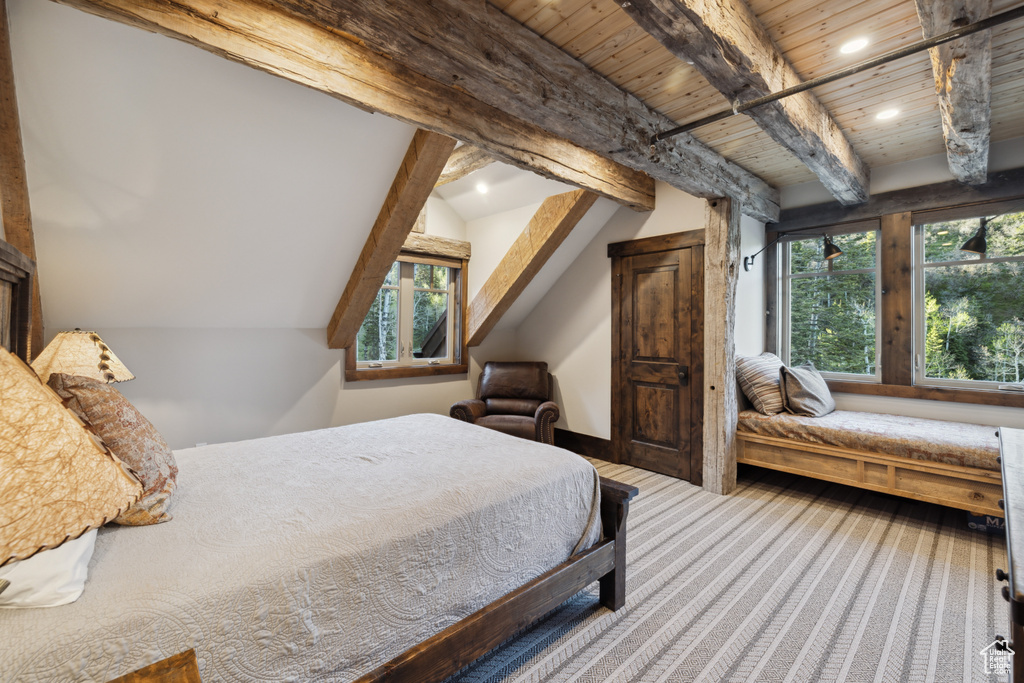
point(455, 647)
point(968, 488)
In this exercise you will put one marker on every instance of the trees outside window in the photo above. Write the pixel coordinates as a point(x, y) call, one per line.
point(829, 315)
point(970, 307)
point(413, 318)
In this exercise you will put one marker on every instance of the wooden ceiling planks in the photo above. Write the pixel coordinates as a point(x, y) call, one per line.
point(809, 33)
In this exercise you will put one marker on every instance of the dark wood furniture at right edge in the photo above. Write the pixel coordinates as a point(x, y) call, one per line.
point(1011, 449)
point(463, 642)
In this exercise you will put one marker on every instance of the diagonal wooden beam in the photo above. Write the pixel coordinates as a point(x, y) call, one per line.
point(464, 160)
point(333, 62)
point(412, 185)
point(475, 48)
point(14, 202)
point(733, 51)
point(963, 83)
point(552, 223)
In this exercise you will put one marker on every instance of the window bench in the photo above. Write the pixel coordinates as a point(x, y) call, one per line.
point(949, 463)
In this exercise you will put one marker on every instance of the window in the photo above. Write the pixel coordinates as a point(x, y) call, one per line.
point(830, 307)
point(940, 323)
point(414, 326)
point(969, 308)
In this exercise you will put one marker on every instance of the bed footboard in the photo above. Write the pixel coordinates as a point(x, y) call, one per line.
point(460, 644)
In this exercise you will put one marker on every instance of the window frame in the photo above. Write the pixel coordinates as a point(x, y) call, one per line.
point(898, 212)
point(785, 292)
point(457, 360)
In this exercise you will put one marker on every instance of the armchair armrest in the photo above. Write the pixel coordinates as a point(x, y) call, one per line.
point(545, 418)
point(469, 411)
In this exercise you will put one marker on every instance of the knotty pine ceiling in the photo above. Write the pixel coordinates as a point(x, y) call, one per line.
point(809, 33)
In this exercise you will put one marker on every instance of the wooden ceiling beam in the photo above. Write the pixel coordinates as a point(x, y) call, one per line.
point(414, 182)
point(14, 202)
point(552, 223)
point(730, 47)
point(963, 83)
point(472, 47)
point(464, 160)
point(271, 40)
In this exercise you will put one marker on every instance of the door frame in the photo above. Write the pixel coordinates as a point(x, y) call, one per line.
point(617, 251)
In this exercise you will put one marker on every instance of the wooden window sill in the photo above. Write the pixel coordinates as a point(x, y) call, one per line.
point(361, 374)
point(992, 398)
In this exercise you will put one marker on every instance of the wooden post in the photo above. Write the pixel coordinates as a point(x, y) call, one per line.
point(721, 270)
point(14, 204)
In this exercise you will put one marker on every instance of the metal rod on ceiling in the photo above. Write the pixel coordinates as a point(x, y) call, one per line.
point(739, 108)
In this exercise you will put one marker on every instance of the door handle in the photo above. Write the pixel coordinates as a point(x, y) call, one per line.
point(684, 375)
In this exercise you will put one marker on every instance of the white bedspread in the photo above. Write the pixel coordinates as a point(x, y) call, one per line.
point(315, 556)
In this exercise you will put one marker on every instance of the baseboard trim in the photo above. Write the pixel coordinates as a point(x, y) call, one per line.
point(584, 444)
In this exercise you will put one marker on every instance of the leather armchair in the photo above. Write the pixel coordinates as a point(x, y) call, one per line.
point(514, 400)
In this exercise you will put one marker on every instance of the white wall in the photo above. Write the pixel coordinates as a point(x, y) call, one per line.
point(571, 327)
point(213, 385)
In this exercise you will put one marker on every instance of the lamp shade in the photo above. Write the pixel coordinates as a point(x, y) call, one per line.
point(831, 250)
point(80, 353)
point(57, 480)
point(978, 244)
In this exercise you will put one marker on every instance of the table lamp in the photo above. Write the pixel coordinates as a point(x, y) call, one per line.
point(80, 353)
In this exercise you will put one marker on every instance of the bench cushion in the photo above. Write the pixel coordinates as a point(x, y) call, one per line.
point(953, 443)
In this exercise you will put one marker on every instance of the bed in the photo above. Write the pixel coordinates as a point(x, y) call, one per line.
point(948, 463)
point(400, 549)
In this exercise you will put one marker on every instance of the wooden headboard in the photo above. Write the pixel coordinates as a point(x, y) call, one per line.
point(16, 273)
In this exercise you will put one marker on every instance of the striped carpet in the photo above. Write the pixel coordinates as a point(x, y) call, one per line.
point(788, 579)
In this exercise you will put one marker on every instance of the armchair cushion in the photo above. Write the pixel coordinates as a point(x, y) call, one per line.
point(515, 380)
point(516, 425)
point(512, 406)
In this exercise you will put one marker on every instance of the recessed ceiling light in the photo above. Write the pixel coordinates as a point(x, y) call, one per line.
point(887, 114)
point(481, 188)
point(855, 45)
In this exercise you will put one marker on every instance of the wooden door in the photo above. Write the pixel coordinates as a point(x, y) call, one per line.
point(658, 388)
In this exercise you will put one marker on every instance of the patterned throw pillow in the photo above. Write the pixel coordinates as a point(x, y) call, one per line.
point(129, 436)
point(759, 379)
point(804, 391)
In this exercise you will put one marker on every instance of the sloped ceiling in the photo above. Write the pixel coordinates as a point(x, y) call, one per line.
point(173, 188)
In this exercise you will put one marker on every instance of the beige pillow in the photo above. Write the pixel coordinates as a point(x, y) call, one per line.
point(759, 379)
point(805, 392)
point(129, 436)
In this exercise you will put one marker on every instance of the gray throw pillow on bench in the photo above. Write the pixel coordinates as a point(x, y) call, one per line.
point(804, 391)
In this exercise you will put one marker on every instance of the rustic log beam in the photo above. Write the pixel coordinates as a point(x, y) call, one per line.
point(273, 41)
point(14, 201)
point(963, 83)
point(464, 160)
point(721, 405)
point(732, 50)
point(414, 182)
point(432, 245)
point(475, 48)
point(552, 223)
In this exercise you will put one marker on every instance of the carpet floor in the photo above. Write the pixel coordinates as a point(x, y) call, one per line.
point(787, 579)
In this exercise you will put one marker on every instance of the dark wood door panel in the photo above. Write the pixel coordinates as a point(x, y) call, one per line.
point(656, 403)
point(655, 411)
point(654, 302)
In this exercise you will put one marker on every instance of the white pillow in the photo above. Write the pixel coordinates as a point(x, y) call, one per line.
point(50, 578)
